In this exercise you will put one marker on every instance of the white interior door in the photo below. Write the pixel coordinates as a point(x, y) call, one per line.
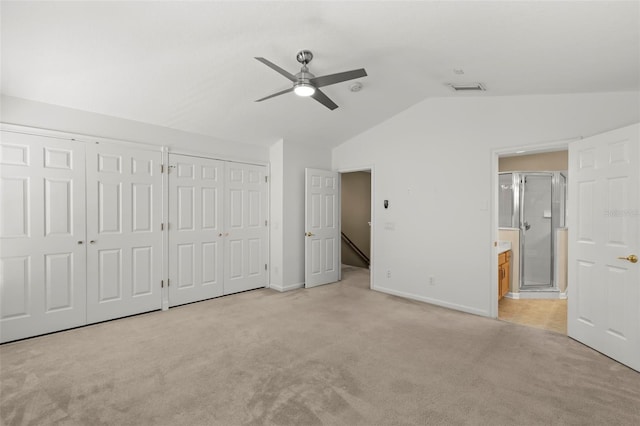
point(42, 235)
point(195, 228)
point(245, 207)
point(322, 235)
point(124, 213)
point(604, 234)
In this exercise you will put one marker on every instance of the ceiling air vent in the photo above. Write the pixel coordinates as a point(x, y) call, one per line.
point(470, 87)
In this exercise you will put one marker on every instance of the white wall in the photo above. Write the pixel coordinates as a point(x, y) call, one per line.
point(434, 164)
point(297, 157)
point(53, 117)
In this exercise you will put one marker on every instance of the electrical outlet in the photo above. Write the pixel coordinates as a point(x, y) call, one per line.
point(432, 280)
point(388, 273)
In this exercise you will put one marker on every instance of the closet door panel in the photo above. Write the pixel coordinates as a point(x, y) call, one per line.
point(42, 235)
point(124, 214)
point(245, 215)
point(195, 228)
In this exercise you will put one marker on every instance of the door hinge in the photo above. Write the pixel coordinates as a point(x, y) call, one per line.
point(265, 222)
point(266, 179)
point(161, 283)
point(162, 226)
point(161, 168)
point(265, 266)
point(168, 283)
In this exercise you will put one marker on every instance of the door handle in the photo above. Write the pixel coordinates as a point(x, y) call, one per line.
point(309, 234)
point(92, 242)
point(80, 242)
point(631, 258)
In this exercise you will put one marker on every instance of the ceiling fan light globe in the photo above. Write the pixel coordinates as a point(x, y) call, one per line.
point(304, 90)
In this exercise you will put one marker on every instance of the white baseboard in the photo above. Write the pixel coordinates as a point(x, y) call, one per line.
point(539, 295)
point(536, 295)
point(287, 287)
point(454, 306)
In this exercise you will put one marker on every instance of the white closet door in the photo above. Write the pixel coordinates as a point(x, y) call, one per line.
point(246, 227)
point(195, 228)
point(124, 213)
point(42, 228)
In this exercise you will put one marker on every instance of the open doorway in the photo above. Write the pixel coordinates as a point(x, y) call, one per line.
point(356, 220)
point(532, 236)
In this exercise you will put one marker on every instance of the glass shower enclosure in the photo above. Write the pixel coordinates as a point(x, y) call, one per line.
point(534, 203)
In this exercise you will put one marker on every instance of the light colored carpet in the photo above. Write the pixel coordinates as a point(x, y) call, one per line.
point(336, 355)
point(549, 314)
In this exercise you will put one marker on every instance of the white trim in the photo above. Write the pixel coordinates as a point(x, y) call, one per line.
point(454, 306)
point(189, 153)
point(86, 138)
point(80, 137)
point(287, 287)
point(165, 232)
point(516, 296)
point(356, 169)
point(538, 295)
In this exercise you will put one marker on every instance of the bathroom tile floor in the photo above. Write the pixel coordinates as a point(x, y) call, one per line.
point(544, 313)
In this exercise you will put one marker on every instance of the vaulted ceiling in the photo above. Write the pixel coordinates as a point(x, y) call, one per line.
point(191, 66)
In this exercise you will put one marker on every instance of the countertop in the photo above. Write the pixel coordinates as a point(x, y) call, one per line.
point(504, 246)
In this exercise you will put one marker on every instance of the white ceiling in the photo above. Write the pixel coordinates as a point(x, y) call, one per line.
point(190, 66)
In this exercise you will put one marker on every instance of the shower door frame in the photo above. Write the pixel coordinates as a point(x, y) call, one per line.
point(558, 220)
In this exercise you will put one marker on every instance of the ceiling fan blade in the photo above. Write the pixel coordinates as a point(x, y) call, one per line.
point(324, 99)
point(282, 92)
point(326, 80)
point(277, 69)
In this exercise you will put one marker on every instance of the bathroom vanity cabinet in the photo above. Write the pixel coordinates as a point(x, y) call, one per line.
point(504, 268)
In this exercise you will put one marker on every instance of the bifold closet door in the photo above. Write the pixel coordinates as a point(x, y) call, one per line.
point(42, 235)
point(246, 227)
point(124, 214)
point(195, 228)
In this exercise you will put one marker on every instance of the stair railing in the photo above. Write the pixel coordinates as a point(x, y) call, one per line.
point(355, 248)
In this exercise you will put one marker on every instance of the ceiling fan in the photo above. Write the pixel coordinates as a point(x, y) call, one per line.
point(307, 84)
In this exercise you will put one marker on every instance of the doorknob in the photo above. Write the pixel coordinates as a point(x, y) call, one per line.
point(92, 241)
point(309, 234)
point(631, 258)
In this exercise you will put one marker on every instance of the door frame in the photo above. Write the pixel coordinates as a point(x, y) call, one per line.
point(372, 263)
point(535, 148)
